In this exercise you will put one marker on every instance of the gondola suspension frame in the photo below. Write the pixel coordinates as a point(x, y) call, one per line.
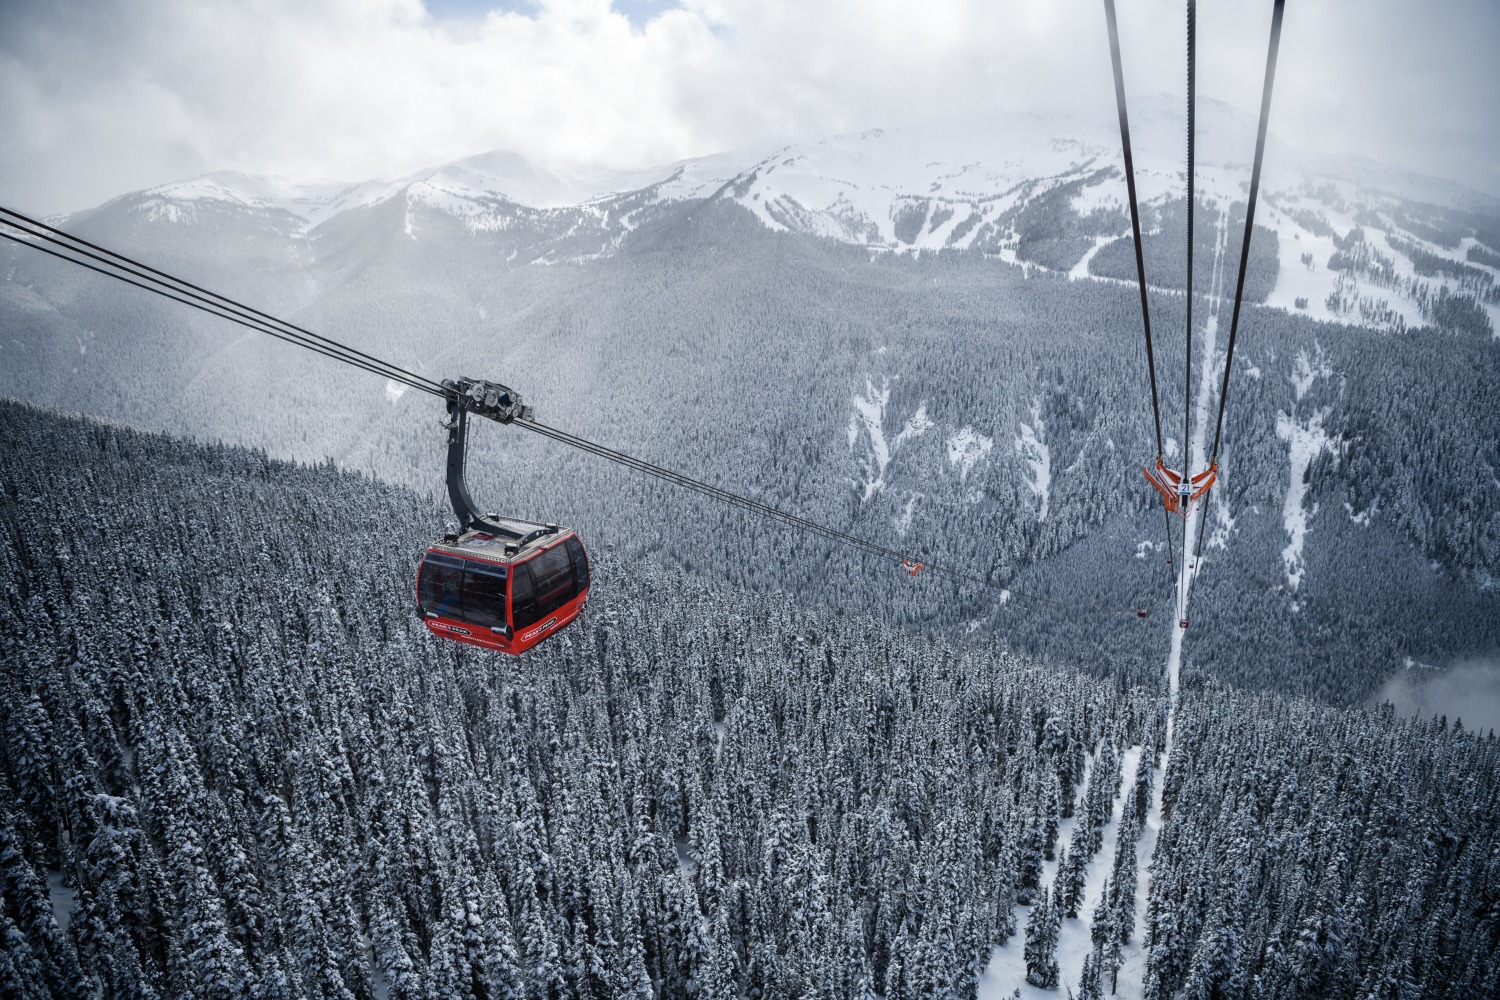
point(501, 583)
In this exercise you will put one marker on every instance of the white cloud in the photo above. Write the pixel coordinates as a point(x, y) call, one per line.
point(103, 96)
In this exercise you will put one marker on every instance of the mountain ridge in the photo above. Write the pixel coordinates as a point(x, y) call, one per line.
point(1040, 190)
point(1157, 128)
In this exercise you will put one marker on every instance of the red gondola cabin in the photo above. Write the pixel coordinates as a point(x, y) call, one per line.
point(505, 594)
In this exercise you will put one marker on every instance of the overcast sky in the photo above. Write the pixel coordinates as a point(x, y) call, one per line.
point(99, 97)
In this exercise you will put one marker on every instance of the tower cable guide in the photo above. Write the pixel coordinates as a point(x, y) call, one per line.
point(1180, 492)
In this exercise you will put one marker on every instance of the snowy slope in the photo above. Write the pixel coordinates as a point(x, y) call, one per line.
point(924, 186)
point(966, 186)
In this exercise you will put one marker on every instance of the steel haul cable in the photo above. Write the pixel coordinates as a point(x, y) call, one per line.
point(229, 316)
point(129, 271)
point(1239, 286)
point(1187, 378)
point(1140, 259)
point(179, 287)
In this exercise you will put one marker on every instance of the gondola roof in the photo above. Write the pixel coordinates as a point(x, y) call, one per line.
point(530, 537)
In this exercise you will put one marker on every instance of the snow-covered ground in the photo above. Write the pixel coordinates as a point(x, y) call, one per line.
point(869, 419)
point(903, 522)
point(1081, 269)
point(965, 449)
point(1306, 439)
point(457, 186)
point(1005, 975)
point(868, 422)
point(63, 900)
point(1031, 445)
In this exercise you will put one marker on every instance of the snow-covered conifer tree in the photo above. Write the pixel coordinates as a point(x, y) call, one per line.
point(1041, 945)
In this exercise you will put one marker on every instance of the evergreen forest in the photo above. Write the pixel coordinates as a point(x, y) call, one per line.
point(233, 763)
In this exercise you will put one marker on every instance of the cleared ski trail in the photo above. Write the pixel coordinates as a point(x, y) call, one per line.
point(1006, 972)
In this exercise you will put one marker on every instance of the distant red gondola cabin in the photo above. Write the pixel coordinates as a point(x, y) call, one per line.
point(505, 594)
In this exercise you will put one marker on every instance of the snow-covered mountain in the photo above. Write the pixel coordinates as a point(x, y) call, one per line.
point(1354, 240)
point(461, 186)
point(927, 336)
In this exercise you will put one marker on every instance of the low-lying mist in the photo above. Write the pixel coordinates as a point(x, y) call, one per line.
point(1468, 690)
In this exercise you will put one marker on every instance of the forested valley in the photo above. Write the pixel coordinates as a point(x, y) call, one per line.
point(233, 763)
